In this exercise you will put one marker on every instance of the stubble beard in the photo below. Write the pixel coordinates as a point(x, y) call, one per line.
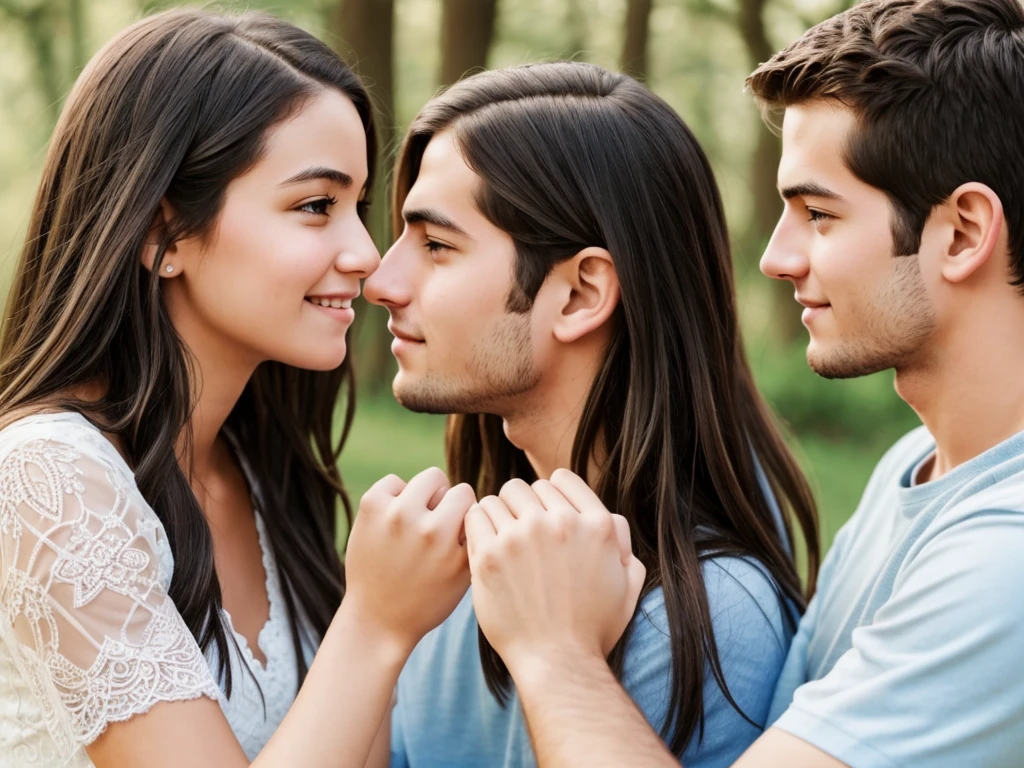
point(898, 324)
point(500, 370)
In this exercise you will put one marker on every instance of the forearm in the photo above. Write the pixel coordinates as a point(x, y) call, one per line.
point(342, 703)
point(578, 714)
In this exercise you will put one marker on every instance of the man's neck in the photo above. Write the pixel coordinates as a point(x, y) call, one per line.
point(546, 429)
point(970, 395)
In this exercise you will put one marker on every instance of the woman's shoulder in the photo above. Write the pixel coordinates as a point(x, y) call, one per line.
point(67, 434)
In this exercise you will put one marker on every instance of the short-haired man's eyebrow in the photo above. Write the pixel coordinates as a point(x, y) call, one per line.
point(810, 189)
point(432, 216)
point(319, 172)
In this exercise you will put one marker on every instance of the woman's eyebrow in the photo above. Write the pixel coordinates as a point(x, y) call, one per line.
point(319, 172)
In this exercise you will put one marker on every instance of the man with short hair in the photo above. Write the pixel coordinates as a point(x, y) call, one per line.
point(903, 234)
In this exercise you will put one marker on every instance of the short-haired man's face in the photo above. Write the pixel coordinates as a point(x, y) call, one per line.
point(446, 282)
point(866, 309)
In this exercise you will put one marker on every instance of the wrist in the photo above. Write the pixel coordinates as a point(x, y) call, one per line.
point(376, 639)
point(540, 666)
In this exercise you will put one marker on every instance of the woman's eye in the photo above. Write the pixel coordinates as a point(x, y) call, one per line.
point(318, 207)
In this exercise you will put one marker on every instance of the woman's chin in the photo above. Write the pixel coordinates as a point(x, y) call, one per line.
point(319, 360)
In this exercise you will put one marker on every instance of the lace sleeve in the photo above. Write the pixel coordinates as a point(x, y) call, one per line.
point(84, 572)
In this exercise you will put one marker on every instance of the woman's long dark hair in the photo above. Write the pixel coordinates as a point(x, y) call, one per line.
point(571, 155)
point(175, 108)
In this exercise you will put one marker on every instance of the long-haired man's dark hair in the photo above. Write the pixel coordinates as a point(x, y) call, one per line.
point(175, 108)
point(938, 90)
point(570, 156)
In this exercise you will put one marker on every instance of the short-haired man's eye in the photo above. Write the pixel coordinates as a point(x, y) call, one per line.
point(818, 217)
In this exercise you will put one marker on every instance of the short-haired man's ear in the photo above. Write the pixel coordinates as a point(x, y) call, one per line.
point(976, 214)
point(155, 236)
point(592, 296)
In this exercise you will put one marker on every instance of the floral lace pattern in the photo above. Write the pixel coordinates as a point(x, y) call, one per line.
point(88, 635)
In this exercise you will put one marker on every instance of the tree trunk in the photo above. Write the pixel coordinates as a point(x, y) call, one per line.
point(634, 60)
point(364, 35)
point(764, 173)
point(467, 30)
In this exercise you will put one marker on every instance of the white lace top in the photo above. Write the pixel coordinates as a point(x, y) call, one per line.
point(88, 635)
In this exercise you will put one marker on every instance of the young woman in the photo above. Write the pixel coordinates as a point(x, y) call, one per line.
point(172, 353)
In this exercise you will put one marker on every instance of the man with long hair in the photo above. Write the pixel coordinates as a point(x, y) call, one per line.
point(903, 234)
point(562, 283)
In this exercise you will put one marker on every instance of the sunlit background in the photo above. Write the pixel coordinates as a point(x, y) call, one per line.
point(693, 53)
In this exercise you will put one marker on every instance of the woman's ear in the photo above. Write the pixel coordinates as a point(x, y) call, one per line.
point(158, 229)
point(590, 293)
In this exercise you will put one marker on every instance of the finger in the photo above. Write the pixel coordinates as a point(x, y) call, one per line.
point(577, 493)
point(479, 529)
point(425, 486)
point(520, 498)
point(497, 511)
point(550, 496)
point(623, 538)
point(449, 515)
point(439, 494)
point(385, 489)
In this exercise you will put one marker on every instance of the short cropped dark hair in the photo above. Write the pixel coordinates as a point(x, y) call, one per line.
point(938, 90)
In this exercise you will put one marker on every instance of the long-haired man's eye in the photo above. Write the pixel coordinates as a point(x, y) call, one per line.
point(318, 207)
point(435, 247)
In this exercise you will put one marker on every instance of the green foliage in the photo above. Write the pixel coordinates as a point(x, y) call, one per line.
point(866, 411)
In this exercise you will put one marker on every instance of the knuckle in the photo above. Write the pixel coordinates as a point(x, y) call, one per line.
point(488, 560)
point(560, 475)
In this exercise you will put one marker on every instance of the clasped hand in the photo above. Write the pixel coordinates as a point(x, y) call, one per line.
point(551, 567)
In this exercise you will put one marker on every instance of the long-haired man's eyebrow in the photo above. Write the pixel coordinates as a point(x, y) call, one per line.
point(319, 172)
point(432, 216)
point(810, 189)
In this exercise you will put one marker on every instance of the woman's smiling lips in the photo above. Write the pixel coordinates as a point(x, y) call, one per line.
point(338, 306)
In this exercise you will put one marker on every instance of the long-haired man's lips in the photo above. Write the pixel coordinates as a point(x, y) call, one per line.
point(811, 304)
point(402, 335)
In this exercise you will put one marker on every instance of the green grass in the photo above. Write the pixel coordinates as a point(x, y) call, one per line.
point(387, 439)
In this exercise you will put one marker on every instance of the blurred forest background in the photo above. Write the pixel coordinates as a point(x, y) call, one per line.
point(694, 53)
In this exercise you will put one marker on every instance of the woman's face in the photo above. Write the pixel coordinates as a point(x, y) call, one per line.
point(276, 278)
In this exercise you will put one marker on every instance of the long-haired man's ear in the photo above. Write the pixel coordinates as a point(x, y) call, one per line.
point(976, 215)
point(156, 235)
point(592, 296)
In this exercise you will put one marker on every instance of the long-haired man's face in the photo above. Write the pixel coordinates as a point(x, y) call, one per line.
point(276, 278)
point(866, 309)
point(446, 283)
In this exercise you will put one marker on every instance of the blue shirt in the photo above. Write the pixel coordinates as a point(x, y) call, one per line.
point(446, 717)
point(911, 652)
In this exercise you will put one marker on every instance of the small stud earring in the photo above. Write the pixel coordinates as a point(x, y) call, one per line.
point(169, 268)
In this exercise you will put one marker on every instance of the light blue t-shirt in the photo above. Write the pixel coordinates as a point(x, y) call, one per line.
point(446, 717)
point(912, 652)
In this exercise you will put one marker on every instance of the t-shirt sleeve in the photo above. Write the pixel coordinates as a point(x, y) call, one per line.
point(934, 678)
point(752, 640)
point(84, 611)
